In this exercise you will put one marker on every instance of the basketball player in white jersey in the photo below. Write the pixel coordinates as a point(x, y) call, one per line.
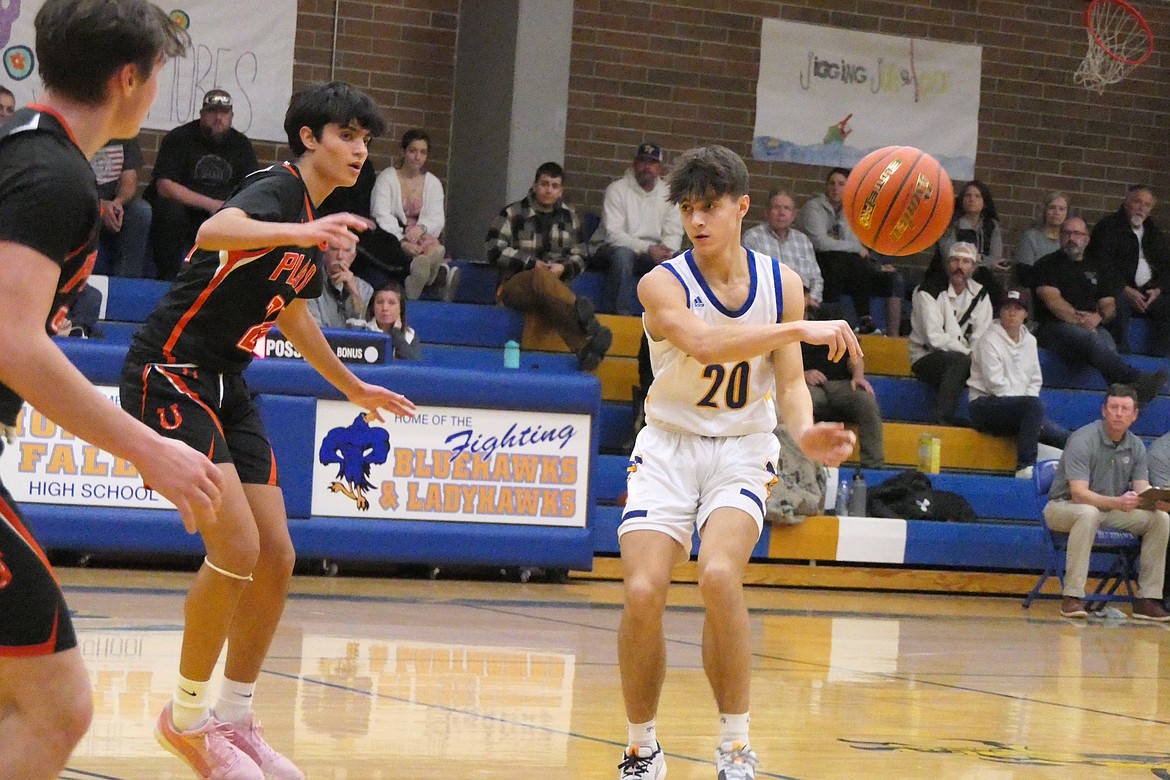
point(724, 326)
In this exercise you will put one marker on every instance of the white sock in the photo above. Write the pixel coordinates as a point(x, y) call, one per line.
point(642, 734)
point(189, 708)
point(733, 728)
point(235, 701)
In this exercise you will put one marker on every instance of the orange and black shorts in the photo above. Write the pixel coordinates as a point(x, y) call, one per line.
point(210, 412)
point(33, 617)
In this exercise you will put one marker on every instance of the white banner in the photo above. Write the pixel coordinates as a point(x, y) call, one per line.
point(452, 464)
point(245, 48)
point(828, 96)
point(49, 465)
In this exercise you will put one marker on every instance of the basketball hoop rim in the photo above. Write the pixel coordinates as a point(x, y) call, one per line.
point(1136, 14)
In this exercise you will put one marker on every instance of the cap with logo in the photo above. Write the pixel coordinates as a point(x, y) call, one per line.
point(648, 151)
point(217, 99)
point(1014, 298)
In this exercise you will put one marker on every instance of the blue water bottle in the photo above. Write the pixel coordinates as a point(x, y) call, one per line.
point(511, 354)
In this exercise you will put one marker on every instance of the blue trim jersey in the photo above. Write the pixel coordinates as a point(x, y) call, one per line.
point(721, 399)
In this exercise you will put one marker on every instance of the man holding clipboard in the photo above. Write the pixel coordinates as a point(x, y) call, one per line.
point(1097, 484)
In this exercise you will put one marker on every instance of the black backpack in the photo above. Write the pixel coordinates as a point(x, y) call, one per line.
point(910, 496)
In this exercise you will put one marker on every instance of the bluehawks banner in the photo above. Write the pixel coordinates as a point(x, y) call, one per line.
point(828, 96)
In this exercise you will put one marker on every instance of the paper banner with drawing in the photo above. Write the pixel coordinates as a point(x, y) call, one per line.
point(828, 96)
point(245, 48)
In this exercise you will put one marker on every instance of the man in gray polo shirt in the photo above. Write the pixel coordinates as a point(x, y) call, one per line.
point(1097, 482)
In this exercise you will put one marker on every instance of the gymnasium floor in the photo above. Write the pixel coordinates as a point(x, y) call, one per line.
point(414, 679)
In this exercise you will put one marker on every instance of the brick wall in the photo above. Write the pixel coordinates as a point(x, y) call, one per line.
point(684, 73)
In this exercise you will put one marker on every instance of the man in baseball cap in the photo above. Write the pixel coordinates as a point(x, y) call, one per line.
point(948, 317)
point(639, 228)
point(198, 166)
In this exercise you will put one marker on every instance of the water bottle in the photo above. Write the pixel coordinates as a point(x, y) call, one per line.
point(935, 454)
point(843, 507)
point(924, 447)
point(857, 495)
point(511, 354)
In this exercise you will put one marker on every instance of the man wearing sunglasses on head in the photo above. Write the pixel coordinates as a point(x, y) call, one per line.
point(199, 164)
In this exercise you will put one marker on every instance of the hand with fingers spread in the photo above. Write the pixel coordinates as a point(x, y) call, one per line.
point(336, 230)
point(186, 478)
point(375, 398)
point(827, 442)
point(835, 334)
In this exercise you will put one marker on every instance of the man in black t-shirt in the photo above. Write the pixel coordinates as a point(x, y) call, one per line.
point(1073, 308)
point(255, 265)
point(198, 165)
point(48, 228)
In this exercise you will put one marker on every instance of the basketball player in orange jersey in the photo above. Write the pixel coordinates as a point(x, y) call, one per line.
point(724, 326)
point(100, 65)
point(255, 264)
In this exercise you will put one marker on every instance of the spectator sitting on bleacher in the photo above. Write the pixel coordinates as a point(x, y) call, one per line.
point(1097, 482)
point(1042, 238)
point(639, 228)
point(947, 318)
point(387, 314)
point(125, 216)
point(1071, 306)
point(7, 104)
point(407, 203)
point(777, 238)
point(847, 266)
point(841, 393)
point(345, 294)
point(536, 242)
point(1158, 457)
point(976, 221)
point(198, 166)
point(82, 317)
point(1004, 387)
point(1134, 258)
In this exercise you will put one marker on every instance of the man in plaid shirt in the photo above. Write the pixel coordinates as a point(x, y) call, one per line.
point(537, 244)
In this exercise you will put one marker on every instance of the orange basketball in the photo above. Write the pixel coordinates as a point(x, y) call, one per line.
point(898, 200)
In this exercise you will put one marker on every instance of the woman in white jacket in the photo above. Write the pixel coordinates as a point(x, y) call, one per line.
point(1004, 387)
point(408, 204)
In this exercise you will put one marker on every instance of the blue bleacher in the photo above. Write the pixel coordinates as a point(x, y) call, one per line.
point(470, 334)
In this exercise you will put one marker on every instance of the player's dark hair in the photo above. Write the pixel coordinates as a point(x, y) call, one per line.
point(394, 287)
point(708, 172)
point(551, 170)
point(8, 92)
point(82, 43)
point(321, 104)
point(843, 171)
point(416, 134)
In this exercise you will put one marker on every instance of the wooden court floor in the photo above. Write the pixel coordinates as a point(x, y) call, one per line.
point(412, 679)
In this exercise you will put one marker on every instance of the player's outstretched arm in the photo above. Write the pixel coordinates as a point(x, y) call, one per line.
point(823, 442)
point(33, 366)
point(299, 327)
point(231, 229)
point(668, 317)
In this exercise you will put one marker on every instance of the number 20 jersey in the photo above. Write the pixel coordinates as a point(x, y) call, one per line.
point(728, 399)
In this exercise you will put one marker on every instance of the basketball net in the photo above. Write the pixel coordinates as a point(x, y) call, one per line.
point(1119, 41)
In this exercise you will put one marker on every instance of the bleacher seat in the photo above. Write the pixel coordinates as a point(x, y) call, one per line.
point(1119, 549)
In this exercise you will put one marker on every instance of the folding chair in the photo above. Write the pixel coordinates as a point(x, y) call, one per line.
point(1115, 553)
